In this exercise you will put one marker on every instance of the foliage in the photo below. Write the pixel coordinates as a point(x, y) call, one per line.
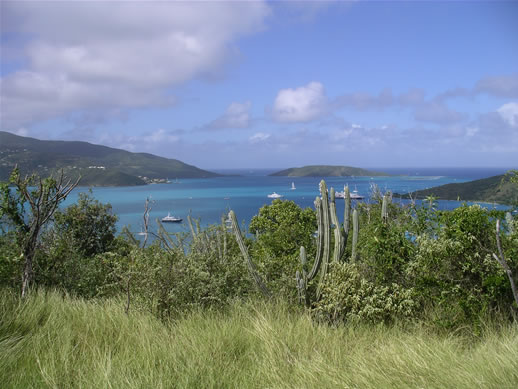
point(43, 197)
point(455, 269)
point(88, 225)
point(281, 228)
point(384, 244)
point(349, 296)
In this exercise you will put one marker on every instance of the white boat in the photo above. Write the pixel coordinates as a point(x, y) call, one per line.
point(356, 196)
point(275, 196)
point(293, 186)
point(171, 219)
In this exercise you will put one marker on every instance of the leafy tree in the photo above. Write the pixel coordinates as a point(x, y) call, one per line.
point(281, 228)
point(43, 197)
point(88, 225)
point(68, 249)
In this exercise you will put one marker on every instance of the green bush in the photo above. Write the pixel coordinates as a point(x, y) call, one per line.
point(280, 229)
point(348, 296)
point(454, 268)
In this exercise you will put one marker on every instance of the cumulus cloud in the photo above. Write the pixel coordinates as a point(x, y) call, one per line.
point(437, 112)
point(509, 113)
point(96, 55)
point(499, 86)
point(301, 104)
point(237, 115)
point(365, 101)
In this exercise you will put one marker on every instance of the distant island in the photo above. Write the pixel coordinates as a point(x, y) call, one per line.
point(327, 171)
point(496, 189)
point(97, 165)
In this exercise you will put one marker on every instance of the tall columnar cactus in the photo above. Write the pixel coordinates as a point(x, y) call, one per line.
point(384, 209)
point(347, 213)
point(339, 236)
point(326, 220)
point(251, 265)
point(356, 227)
point(302, 278)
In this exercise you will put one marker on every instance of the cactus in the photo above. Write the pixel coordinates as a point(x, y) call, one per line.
point(251, 266)
point(339, 244)
point(347, 214)
point(384, 210)
point(356, 226)
point(326, 215)
point(302, 278)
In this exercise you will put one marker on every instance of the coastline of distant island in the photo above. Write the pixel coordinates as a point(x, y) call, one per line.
point(328, 171)
point(495, 189)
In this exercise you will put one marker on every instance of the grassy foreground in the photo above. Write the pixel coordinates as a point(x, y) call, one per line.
point(49, 341)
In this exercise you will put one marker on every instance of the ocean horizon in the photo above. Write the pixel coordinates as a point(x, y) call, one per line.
point(245, 191)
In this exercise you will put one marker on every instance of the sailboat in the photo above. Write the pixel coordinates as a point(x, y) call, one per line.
point(293, 186)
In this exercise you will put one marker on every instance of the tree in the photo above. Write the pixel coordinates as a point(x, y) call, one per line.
point(42, 197)
point(89, 225)
point(283, 227)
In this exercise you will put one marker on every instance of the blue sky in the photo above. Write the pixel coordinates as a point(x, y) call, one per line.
point(268, 84)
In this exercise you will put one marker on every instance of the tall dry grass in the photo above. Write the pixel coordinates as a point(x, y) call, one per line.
point(51, 341)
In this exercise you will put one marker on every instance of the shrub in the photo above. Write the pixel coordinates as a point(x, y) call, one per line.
point(348, 296)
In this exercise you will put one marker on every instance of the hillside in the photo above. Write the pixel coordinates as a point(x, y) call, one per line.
point(494, 189)
point(326, 171)
point(98, 165)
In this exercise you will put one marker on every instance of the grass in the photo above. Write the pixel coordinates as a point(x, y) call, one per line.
point(51, 341)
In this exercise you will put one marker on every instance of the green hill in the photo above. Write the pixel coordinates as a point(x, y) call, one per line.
point(496, 189)
point(98, 165)
point(326, 171)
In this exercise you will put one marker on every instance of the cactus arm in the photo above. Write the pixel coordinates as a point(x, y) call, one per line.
point(384, 210)
point(356, 226)
point(337, 252)
point(327, 236)
point(251, 266)
point(302, 278)
point(320, 242)
point(347, 215)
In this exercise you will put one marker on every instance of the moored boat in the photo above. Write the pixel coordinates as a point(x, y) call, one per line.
point(171, 219)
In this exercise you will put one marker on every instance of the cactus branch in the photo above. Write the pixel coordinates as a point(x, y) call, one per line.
point(251, 266)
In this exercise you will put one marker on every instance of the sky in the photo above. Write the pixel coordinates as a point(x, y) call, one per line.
point(249, 84)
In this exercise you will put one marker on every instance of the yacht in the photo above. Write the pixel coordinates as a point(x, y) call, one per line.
point(275, 196)
point(356, 196)
point(171, 219)
point(293, 186)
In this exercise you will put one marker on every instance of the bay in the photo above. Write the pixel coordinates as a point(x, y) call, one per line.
point(210, 199)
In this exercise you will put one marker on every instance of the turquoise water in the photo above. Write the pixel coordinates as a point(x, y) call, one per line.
point(209, 199)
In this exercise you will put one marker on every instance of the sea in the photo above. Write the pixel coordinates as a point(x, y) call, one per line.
point(245, 191)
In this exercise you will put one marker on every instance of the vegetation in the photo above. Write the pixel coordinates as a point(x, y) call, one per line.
point(326, 171)
point(402, 298)
point(55, 341)
point(98, 165)
point(497, 189)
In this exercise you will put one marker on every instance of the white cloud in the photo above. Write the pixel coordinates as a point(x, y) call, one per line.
point(236, 115)
point(96, 55)
point(302, 104)
point(509, 113)
point(259, 137)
